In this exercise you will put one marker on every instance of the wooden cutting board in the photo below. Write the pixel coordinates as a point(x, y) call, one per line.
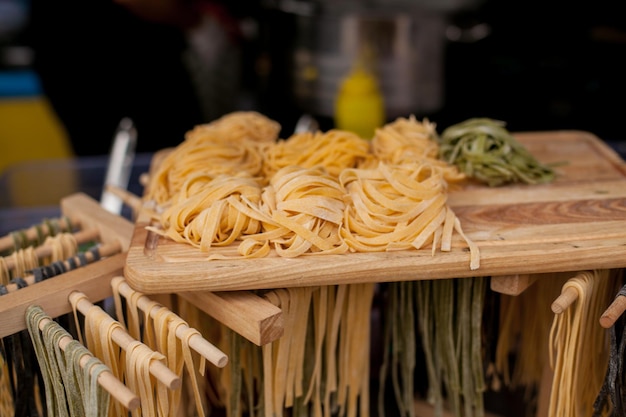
point(577, 222)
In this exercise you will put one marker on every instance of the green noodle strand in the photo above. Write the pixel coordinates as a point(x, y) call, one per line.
point(476, 361)
point(485, 150)
point(71, 390)
point(427, 328)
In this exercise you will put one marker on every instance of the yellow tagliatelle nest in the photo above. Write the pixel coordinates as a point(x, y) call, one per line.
point(212, 211)
point(236, 127)
point(398, 207)
point(313, 193)
point(230, 145)
point(304, 208)
point(335, 150)
point(407, 140)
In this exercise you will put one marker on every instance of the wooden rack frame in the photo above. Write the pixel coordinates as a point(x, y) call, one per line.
point(256, 319)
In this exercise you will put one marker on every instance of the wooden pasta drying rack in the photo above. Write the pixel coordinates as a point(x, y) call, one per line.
point(249, 315)
point(577, 222)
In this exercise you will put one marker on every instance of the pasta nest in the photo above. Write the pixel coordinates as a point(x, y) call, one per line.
point(407, 140)
point(212, 211)
point(393, 207)
point(335, 150)
point(230, 145)
point(304, 211)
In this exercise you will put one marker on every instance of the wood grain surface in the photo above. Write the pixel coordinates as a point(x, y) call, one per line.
point(575, 223)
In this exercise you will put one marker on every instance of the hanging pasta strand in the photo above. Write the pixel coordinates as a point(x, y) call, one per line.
point(450, 324)
point(6, 396)
point(399, 348)
point(426, 326)
point(22, 374)
point(17, 379)
point(575, 338)
point(528, 313)
point(166, 332)
point(36, 234)
point(141, 368)
point(337, 301)
point(356, 350)
point(313, 394)
point(70, 389)
point(319, 367)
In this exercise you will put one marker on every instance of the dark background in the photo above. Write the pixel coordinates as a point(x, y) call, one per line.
point(542, 65)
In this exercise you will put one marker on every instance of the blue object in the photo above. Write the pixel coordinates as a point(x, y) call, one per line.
point(19, 83)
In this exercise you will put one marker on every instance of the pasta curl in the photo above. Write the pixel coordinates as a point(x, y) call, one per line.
point(335, 150)
point(406, 140)
point(230, 145)
point(212, 211)
point(315, 192)
point(398, 207)
point(305, 206)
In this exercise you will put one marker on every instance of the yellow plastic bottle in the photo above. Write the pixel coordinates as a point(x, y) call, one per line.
point(359, 106)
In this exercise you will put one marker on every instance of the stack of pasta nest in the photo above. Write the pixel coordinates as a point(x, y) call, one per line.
point(234, 189)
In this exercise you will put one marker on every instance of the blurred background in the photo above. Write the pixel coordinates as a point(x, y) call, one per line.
point(70, 71)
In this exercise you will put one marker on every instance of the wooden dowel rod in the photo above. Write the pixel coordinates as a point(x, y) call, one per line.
point(567, 296)
point(106, 379)
point(46, 250)
point(613, 312)
point(563, 301)
point(196, 341)
point(104, 250)
point(32, 233)
point(157, 368)
point(128, 198)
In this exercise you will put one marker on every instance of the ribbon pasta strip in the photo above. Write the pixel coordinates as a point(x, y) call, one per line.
point(144, 370)
point(337, 378)
point(335, 150)
point(166, 332)
point(20, 261)
point(208, 211)
point(71, 388)
point(578, 347)
point(396, 207)
point(36, 234)
point(305, 207)
point(18, 264)
point(407, 140)
point(528, 313)
point(230, 145)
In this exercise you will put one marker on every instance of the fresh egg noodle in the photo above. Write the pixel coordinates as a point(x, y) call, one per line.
point(211, 211)
point(318, 367)
point(335, 150)
point(313, 193)
point(230, 145)
point(304, 209)
point(579, 347)
point(407, 140)
point(156, 326)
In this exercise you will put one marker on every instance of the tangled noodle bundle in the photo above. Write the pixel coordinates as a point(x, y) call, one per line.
point(313, 193)
point(335, 150)
point(406, 140)
point(230, 145)
point(212, 211)
point(305, 209)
